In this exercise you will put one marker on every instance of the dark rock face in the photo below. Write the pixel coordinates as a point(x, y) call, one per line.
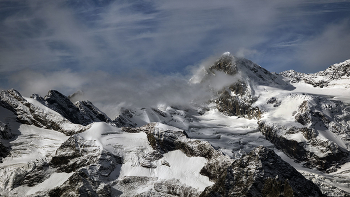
point(261, 173)
point(82, 112)
point(331, 154)
point(316, 115)
point(332, 73)
point(91, 166)
point(236, 106)
point(225, 64)
point(123, 120)
point(4, 151)
point(170, 188)
point(61, 104)
point(75, 153)
point(30, 174)
point(30, 114)
point(81, 183)
point(238, 98)
point(165, 141)
point(5, 131)
point(92, 113)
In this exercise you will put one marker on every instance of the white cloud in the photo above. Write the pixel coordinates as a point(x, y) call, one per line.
point(329, 47)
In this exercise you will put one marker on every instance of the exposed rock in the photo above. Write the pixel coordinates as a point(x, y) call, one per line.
point(168, 140)
point(91, 113)
point(123, 120)
point(61, 104)
point(127, 186)
point(274, 101)
point(29, 174)
point(75, 153)
point(5, 131)
point(323, 78)
point(81, 183)
point(324, 155)
point(238, 98)
point(27, 113)
point(261, 173)
point(175, 188)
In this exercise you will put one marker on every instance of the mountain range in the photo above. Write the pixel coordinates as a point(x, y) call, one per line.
point(260, 134)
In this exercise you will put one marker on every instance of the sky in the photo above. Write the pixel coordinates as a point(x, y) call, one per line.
point(136, 51)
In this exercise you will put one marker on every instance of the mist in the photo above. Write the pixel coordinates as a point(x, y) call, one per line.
point(138, 88)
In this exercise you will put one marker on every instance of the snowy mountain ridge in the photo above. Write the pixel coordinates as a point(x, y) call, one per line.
point(261, 134)
point(336, 74)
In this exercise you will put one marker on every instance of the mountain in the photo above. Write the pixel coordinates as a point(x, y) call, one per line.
point(335, 75)
point(262, 173)
point(260, 134)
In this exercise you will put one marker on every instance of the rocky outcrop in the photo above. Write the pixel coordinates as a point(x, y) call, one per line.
point(323, 78)
point(320, 139)
point(61, 104)
point(6, 134)
point(261, 173)
point(5, 131)
point(77, 152)
point(27, 113)
point(238, 98)
point(322, 154)
point(81, 112)
point(82, 183)
point(4, 151)
point(91, 113)
point(170, 188)
point(29, 174)
point(124, 119)
point(163, 141)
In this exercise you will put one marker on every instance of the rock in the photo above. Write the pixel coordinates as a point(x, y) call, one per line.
point(91, 113)
point(5, 131)
point(327, 155)
point(27, 113)
point(321, 79)
point(164, 141)
point(75, 153)
point(29, 174)
point(61, 104)
point(261, 173)
point(81, 183)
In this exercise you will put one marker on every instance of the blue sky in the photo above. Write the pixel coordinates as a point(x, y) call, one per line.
point(52, 44)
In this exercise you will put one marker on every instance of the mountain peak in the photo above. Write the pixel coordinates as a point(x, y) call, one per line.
point(244, 70)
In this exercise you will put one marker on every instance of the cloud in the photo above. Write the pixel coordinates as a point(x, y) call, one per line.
point(109, 93)
point(163, 36)
point(33, 82)
point(139, 51)
point(329, 47)
point(137, 88)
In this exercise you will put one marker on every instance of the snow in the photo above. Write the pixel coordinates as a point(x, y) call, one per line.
point(134, 146)
point(232, 135)
point(55, 116)
point(296, 137)
point(332, 137)
point(56, 179)
point(98, 130)
point(41, 106)
point(184, 168)
point(33, 143)
point(336, 91)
